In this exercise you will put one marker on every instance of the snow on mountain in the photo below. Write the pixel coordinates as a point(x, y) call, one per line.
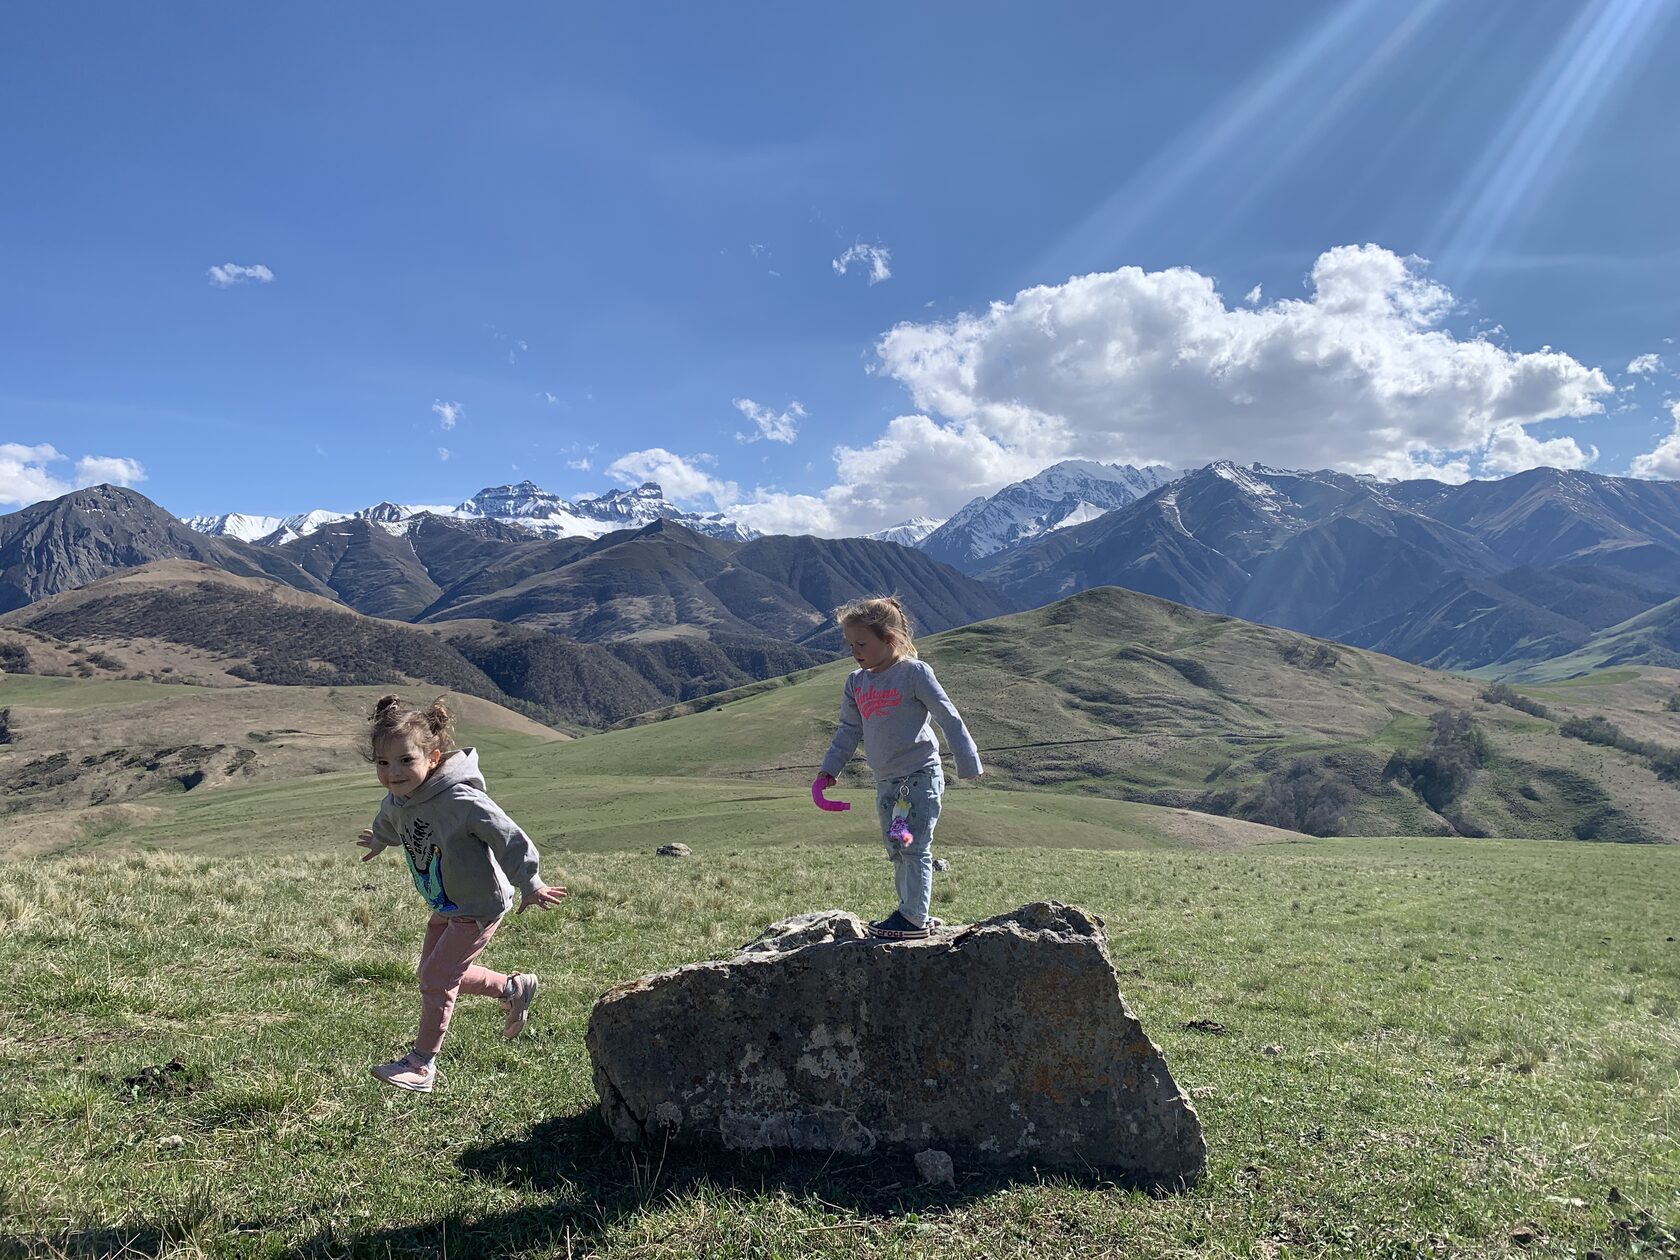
point(1065, 494)
point(525, 505)
point(234, 525)
point(908, 533)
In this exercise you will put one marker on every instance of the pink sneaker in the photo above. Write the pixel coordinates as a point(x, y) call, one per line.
point(518, 1003)
point(405, 1073)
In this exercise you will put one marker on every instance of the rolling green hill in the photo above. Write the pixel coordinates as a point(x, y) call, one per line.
point(1112, 693)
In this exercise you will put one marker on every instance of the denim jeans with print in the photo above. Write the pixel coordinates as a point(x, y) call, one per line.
point(913, 862)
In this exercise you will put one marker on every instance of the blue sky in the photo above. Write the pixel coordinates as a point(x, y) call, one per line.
point(476, 245)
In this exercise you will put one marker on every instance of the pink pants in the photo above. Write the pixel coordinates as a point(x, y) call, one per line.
point(446, 969)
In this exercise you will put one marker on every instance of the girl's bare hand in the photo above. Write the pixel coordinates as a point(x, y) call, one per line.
point(367, 841)
point(542, 899)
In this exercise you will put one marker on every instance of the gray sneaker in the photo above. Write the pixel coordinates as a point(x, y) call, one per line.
point(518, 1003)
point(407, 1073)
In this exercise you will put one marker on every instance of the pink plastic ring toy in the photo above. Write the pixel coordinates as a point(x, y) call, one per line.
point(818, 785)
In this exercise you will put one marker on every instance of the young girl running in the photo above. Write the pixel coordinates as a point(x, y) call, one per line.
point(466, 857)
point(888, 701)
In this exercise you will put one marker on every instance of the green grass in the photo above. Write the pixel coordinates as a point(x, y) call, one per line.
point(1429, 1045)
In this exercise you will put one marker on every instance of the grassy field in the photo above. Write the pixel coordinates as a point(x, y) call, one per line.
point(1429, 1048)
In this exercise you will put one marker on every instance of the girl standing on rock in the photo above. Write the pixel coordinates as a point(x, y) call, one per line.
point(889, 703)
point(466, 856)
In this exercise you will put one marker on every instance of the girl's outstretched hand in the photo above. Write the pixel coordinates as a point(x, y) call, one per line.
point(373, 847)
point(542, 899)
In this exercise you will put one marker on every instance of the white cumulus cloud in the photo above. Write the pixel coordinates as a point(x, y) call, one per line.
point(876, 258)
point(229, 274)
point(1137, 365)
point(116, 470)
point(26, 475)
point(1664, 461)
point(1129, 366)
point(447, 413)
point(773, 426)
point(1645, 365)
point(683, 479)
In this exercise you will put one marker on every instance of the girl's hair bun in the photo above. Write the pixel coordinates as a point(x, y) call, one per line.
point(433, 727)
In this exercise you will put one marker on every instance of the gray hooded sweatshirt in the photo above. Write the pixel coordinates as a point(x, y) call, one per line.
point(890, 712)
point(465, 854)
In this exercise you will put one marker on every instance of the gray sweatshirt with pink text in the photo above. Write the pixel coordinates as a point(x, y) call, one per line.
point(893, 713)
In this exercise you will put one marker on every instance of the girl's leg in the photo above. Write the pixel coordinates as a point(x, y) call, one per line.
point(446, 969)
point(913, 862)
point(886, 796)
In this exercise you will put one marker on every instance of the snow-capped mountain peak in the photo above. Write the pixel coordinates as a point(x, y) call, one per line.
point(1065, 494)
point(908, 533)
point(524, 505)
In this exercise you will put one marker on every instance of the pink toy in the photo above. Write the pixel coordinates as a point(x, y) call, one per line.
point(818, 786)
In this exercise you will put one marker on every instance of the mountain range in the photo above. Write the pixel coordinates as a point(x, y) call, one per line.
point(1487, 574)
point(1497, 576)
point(524, 506)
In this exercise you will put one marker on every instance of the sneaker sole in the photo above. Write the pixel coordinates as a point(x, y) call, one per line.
point(913, 935)
point(406, 1088)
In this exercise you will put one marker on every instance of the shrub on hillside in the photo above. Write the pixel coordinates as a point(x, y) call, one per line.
point(1302, 796)
point(5, 726)
point(1309, 655)
point(1442, 769)
point(14, 659)
point(1665, 761)
point(1593, 730)
point(1500, 693)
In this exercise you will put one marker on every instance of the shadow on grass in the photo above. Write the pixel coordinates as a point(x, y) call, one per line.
point(589, 1183)
point(584, 1184)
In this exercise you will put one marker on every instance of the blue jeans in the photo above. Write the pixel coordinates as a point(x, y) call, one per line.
point(913, 862)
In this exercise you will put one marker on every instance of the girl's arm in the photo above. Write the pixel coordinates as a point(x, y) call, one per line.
point(931, 694)
point(846, 738)
point(379, 837)
point(508, 844)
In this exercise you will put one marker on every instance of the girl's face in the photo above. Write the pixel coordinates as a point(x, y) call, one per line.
point(869, 649)
point(403, 763)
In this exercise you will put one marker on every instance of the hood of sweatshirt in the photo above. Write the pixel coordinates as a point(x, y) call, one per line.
point(458, 767)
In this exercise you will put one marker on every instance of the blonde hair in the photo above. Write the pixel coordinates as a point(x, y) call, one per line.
point(885, 616)
point(433, 727)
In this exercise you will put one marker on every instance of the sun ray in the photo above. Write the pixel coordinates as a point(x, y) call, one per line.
point(1597, 53)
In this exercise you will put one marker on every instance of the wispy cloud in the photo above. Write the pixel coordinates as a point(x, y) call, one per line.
point(230, 274)
point(773, 426)
point(1253, 298)
point(580, 465)
point(443, 453)
point(1645, 365)
point(877, 258)
point(447, 413)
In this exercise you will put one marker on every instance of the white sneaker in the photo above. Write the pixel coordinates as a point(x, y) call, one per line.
point(405, 1073)
point(518, 1004)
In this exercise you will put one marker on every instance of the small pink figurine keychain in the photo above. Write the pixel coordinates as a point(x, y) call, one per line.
point(819, 785)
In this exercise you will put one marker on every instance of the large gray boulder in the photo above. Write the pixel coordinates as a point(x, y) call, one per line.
point(1006, 1041)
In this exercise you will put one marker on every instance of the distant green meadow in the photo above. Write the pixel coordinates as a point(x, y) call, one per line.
point(1416, 1048)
